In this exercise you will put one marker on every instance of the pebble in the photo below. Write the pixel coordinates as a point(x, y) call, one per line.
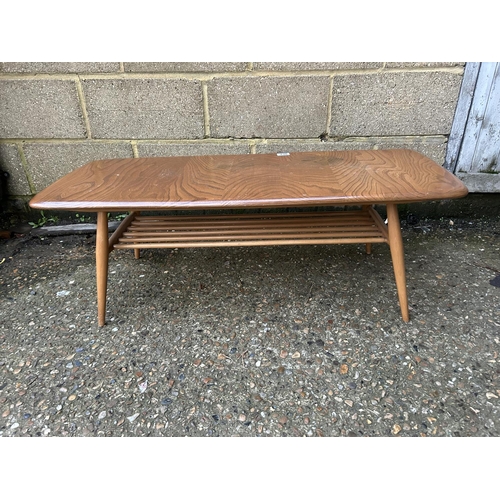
point(133, 417)
point(72, 397)
point(396, 429)
point(102, 415)
point(296, 355)
point(63, 293)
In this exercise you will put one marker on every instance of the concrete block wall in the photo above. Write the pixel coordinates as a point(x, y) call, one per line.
point(55, 117)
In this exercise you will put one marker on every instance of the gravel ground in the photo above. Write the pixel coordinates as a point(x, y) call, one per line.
point(271, 341)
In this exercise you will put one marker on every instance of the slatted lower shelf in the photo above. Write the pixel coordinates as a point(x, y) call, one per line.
point(354, 226)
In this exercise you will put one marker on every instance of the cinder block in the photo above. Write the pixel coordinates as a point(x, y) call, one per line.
point(40, 109)
point(283, 107)
point(59, 67)
point(183, 67)
point(304, 66)
point(193, 149)
point(422, 64)
point(421, 103)
point(49, 161)
point(145, 108)
point(295, 146)
point(10, 162)
point(435, 149)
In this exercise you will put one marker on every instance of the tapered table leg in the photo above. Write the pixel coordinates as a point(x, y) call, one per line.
point(397, 254)
point(137, 251)
point(102, 255)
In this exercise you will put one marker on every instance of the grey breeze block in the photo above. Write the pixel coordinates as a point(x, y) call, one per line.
point(144, 108)
point(43, 109)
point(49, 162)
point(272, 107)
point(394, 104)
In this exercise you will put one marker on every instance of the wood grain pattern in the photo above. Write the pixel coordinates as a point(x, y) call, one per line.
point(245, 181)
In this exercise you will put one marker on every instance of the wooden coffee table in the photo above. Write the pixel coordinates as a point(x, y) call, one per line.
point(267, 181)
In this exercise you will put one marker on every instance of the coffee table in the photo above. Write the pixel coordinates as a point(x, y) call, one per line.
point(255, 181)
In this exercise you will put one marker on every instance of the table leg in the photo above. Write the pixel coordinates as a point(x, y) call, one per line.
point(137, 251)
point(102, 255)
point(366, 208)
point(397, 254)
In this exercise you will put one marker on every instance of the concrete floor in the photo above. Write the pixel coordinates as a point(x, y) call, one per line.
point(270, 341)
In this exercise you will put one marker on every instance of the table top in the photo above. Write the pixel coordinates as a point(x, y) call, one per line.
point(253, 180)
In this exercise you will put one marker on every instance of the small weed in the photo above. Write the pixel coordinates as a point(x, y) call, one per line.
point(82, 218)
point(43, 220)
point(117, 216)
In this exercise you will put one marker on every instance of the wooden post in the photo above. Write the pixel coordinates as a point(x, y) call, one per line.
point(397, 254)
point(102, 255)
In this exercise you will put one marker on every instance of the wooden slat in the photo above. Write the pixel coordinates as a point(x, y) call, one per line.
point(475, 122)
point(251, 243)
point(461, 114)
point(362, 226)
point(379, 222)
point(247, 236)
point(254, 225)
point(119, 231)
point(270, 215)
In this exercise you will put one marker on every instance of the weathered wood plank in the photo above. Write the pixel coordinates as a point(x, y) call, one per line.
point(476, 117)
point(70, 229)
point(488, 145)
point(461, 114)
